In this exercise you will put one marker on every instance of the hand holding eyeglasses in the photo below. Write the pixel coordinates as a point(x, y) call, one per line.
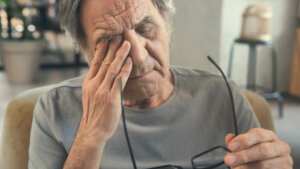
point(259, 149)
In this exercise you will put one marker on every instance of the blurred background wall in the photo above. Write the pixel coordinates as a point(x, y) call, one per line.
point(205, 27)
point(197, 33)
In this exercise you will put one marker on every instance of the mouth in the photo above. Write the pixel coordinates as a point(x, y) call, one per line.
point(140, 76)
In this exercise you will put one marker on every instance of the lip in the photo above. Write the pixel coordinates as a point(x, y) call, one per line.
point(140, 76)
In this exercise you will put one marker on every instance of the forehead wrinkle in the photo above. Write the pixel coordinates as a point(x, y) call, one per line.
point(118, 6)
point(125, 19)
point(115, 24)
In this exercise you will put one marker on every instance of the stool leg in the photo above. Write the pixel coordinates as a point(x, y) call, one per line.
point(274, 55)
point(279, 97)
point(280, 106)
point(251, 68)
point(230, 60)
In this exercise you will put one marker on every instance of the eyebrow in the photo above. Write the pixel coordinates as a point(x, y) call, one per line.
point(145, 20)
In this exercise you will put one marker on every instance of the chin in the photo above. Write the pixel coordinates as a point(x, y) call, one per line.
point(143, 89)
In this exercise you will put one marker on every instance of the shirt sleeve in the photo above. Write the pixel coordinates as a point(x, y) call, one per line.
point(45, 152)
point(246, 118)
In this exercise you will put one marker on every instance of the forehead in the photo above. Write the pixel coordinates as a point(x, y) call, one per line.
point(111, 11)
point(116, 7)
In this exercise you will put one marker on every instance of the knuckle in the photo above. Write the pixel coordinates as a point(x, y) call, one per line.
point(112, 71)
point(125, 71)
point(265, 150)
point(244, 140)
point(245, 157)
point(259, 132)
point(264, 165)
point(95, 62)
point(272, 134)
point(100, 94)
point(253, 130)
point(106, 60)
point(105, 63)
point(86, 86)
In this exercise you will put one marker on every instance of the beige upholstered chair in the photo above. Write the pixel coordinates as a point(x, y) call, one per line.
point(16, 129)
point(18, 118)
point(261, 109)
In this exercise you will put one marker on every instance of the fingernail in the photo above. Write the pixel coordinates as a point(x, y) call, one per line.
point(231, 159)
point(125, 44)
point(234, 146)
point(128, 60)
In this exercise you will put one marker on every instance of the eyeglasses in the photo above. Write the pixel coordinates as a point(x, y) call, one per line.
point(212, 158)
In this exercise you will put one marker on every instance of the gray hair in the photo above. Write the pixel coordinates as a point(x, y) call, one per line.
point(69, 17)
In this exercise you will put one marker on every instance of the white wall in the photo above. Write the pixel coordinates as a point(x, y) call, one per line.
point(205, 27)
point(197, 33)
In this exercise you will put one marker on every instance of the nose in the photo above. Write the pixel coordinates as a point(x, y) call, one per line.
point(138, 50)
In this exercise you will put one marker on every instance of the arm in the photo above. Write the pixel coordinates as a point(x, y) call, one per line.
point(101, 104)
point(50, 154)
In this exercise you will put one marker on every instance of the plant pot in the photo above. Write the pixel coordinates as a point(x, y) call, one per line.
point(21, 60)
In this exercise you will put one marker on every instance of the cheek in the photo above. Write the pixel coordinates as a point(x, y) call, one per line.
point(159, 50)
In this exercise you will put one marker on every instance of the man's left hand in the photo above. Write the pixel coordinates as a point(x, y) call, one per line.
point(257, 149)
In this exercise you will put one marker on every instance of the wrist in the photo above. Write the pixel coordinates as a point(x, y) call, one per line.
point(87, 139)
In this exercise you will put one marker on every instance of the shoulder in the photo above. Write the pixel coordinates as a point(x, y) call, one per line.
point(59, 108)
point(68, 84)
point(203, 85)
point(67, 88)
point(191, 72)
point(61, 100)
point(198, 79)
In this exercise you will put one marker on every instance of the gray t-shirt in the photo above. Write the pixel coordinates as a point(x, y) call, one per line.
point(195, 118)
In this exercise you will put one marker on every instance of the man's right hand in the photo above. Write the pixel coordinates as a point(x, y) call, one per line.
point(101, 101)
point(101, 98)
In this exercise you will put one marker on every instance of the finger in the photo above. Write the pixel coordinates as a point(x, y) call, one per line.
point(228, 138)
point(258, 152)
point(111, 53)
point(274, 163)
point(116, 65)
point(254, 136)
point(124, 75)
point(96, 62)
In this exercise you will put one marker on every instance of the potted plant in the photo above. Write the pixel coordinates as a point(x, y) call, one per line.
point(20, 44)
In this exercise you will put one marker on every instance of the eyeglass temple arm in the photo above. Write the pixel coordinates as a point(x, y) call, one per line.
point(230, 94)
point(125, 127)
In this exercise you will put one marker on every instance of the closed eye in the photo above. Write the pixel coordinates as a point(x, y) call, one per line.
point(146, 27)
point(146, 30)
point(107, 37)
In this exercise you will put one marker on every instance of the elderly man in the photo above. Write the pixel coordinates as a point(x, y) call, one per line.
point(172, 113)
